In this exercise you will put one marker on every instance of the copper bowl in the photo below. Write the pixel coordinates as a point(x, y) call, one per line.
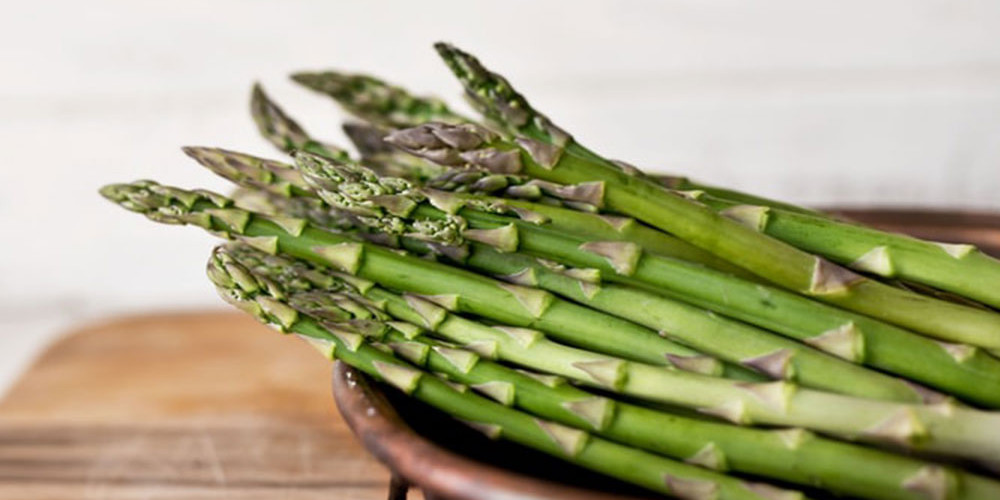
point(426, 449)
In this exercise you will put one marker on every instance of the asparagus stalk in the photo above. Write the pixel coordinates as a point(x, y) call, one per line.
point(961, 269)
point(252, 172)
point(353, 187)
point(337, 340)
point(471, 146)
point(559, 206)
point(889, 348)
point(282, 131)
point(402, 208)
point(774, 356)
point(284, 180)
point(376, 101)
point(458, 288)
point(494, 97)
point(941, 428)
point(287, 135)
point(922, 260)
point(330, 217)
point(832, 465)
point(961, 370)
point(393, 107)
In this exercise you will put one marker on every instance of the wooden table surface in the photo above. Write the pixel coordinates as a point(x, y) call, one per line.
point(180, 406)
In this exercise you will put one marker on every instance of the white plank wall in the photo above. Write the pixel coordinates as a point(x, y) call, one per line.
point(849, 102)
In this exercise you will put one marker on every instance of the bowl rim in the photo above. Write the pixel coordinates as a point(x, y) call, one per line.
point(426, 465)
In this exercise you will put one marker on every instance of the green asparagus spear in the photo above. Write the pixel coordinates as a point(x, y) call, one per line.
point(339, 341)
point(738, 343)
point(282, 131)
point(961, 370)
point(465, 290)
point(805, 231)
point(377, 102)
point(961, 269)
point(494, 97)
point(283, 180)
point(392, 205)
point(941, 428)
point(288, 136)
point(791, 455)
point(954, 368)
point(472, 146)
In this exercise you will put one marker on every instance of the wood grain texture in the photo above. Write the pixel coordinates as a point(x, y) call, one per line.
point(180, 406)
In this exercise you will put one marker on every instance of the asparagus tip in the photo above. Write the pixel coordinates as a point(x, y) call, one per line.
point(368, 139)
point(111, 192)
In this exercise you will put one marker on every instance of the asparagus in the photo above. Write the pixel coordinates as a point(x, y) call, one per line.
point(941, 428)
point(376, 101)
point(494, 97)
point(920, 262)
point(961, 370)
point(547, 198)
point(459, 288)
point(832, 465)
point(284, 180)
point(282, 131)
point(353, 187)
point(399, 207)
point(387, 159)
point(726, 339)
point(558, 205)
point(314, 211)
point(961, 269)
point(472, 146)
point(336, 340)
point(287, 135)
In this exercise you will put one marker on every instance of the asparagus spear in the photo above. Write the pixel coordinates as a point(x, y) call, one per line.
point(399, 207)
point(287, 135)
point(337, 340)
point(494, 97)
point(390, 106)
point(548, 198)
point(376, 101)
point(961, 269)
point(283, 180)
point(353, 187)
point(922, 263)
point(941, 428)
point(559, 205)
point(832, 465)
point(472, 146)
point(253, 172)
point(961, 370)
point(466, 291)
point(726, 339)
point(282, 131)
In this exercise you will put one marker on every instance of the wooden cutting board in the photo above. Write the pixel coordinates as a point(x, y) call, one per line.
point(180, 406)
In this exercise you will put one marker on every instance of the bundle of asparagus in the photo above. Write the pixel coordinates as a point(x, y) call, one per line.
point(697, 341)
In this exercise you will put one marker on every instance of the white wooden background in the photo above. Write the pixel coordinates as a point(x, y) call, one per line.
point(855, 102)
